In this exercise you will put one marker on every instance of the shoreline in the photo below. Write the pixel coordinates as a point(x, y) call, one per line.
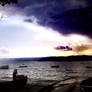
point(43, 85)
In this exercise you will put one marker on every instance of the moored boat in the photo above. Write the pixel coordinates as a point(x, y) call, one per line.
point(22, 66)
point(88, 67)
point(55, 66)
point(4, 67)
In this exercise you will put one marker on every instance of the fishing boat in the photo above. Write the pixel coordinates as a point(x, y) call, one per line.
point(55, 66)
point(22, 66)
point(88, 67)
point(4, 67)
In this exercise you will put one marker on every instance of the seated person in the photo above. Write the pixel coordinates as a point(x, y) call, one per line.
point(16, 76)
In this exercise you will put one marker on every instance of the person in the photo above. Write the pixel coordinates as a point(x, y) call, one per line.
point(15, 74)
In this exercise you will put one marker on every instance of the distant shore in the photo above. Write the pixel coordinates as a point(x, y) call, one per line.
point(55, 58)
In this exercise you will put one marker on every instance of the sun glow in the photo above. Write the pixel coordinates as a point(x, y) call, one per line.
point(78, 38)
point(29, 39)
point(88, 52)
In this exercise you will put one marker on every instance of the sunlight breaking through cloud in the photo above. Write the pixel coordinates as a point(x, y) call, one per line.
point(30, 39)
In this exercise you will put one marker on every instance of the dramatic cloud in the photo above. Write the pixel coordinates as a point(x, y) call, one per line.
point(89, 2)
point(35, 26)
point(65, 16)
point(72, 21)
point(65, 48)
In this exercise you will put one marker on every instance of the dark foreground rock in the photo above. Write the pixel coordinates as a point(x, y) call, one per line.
point(14, 84)
point(86, 85)
point(53, 87)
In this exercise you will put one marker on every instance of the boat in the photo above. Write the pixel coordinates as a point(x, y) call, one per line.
point(4, 67)
point(14, 84)
point(88, 67)
point(23, 66)
point(55, 66)
point(86, 85)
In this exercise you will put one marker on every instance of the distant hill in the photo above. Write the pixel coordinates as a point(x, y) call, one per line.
point(59, 58)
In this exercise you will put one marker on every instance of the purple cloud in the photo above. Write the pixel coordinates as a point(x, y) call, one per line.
point(65, 16)
point(65, 48)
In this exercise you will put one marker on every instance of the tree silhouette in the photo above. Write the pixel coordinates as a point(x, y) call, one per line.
point(4, 2)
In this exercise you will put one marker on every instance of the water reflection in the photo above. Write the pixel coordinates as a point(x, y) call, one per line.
point(43, 70)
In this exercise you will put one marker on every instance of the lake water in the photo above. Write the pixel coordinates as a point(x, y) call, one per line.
point(44, 71)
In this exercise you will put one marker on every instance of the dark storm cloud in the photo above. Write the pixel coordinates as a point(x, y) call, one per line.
point(89, 2)
point(72, 21)
point(65, 48)
point(48, 6)
point(66, 16)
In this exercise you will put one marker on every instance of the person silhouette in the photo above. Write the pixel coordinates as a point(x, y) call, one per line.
point(14, 74)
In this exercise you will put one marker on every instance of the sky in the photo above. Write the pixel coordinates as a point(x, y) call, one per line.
point(41, 28)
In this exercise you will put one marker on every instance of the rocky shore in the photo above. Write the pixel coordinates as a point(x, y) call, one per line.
point(47, 86)
point(67, 85)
